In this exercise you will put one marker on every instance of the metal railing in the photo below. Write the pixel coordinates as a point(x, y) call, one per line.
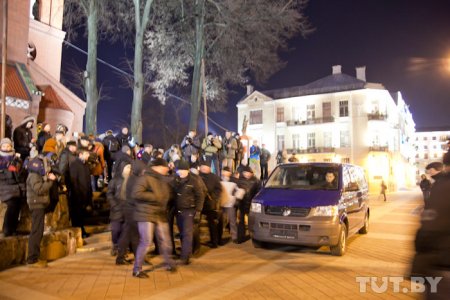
point(310, 121)
point(377, 116)
point(379, 148)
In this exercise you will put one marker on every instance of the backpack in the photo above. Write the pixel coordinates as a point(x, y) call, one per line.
point(113, 145)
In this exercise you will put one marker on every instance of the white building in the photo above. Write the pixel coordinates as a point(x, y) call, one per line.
point(430, 145)
point(338, 118)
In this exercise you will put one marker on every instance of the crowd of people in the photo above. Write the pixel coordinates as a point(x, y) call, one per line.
point(149, 189)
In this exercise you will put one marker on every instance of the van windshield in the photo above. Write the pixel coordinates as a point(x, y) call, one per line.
point(305, 177)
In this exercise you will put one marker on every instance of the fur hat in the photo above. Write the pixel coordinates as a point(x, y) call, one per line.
point(183, 165)
point(28, 119)
point(60, 128)
point(72, 143)
point(5, 141)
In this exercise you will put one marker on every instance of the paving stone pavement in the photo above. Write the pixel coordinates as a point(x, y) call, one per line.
point(241, 271)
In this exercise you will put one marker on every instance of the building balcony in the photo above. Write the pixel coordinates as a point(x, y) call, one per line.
point(310, 121)
point(312, 150)
point(379, 148)
point(377, 116)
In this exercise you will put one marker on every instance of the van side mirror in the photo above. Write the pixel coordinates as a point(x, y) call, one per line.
point(352, 187)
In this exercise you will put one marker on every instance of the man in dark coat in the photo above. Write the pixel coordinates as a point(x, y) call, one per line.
point(123, 137)
point(23, 137)
point(425, 187)
point(147, 153)
point(211, 207)
point(80, 197)
point(190, 145)
point(188, 205)
point(433, 238)
point(112, 146)
point(12, 187)
point(151, 194)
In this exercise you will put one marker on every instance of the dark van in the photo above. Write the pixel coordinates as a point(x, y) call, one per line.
point(311, 204)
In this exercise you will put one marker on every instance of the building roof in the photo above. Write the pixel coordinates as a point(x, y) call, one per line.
point(51, 99)
point(432, 129)
point(329, 84)
point(15, 84)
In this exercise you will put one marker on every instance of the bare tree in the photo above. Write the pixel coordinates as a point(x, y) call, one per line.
point(239, 41)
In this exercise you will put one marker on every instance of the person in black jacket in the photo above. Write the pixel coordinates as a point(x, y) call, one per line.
point(43, 136)
point(129, 238)
point(147, 153)
point(425, 186)
point(123, 156)
point(80, 197)
point(188, 205)
point(211, 208)
point(38, 188)
point(12, 188)
point(151, 194)
point(112, 146)
point(123, 137)
point(116, 196)
point(23, 137)
point(433, 237)
point(250, 184)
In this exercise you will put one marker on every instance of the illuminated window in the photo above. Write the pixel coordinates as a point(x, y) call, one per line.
point(327, 159)
point(425, 138)
point(345, 160)
point(425, 156)
point(255, 117)
point(280, 114)
point(327, 139)
point(296, 141)
point(343, 108)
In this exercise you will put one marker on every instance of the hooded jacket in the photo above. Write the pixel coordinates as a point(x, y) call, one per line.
point(10, 177)
point(22, 135)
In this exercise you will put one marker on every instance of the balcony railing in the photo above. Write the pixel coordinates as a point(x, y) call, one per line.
point(312, 150)
point(379, 148)
point(310, 121)
point(377, 116)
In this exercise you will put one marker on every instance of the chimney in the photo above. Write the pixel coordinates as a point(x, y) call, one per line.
point(337, 69)
point(361, 73)
point(250, 89)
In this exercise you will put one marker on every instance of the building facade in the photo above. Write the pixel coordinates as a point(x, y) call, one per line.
point(430, 144)
point(338, 118)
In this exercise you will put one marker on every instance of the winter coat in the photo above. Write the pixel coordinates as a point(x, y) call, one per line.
point(212, 183)
point(64, 162)
point(231, 192)
point(264, 156)
point(116, 202)
point(121, 158)
point(251, 187)
point(189, 149)
point(52, 146)
point(254, 152)
point(99, 167)
point(137, 167)
point(22, 137)
point(229, 148)
point(151, 195)
point(11, 187)
point(80, 181)
point(433, 238)
point(108, 143)
point(43, 136)
point(38, 191)
point(425, 185)
point(211, 147)
point(123, 139)
point(146, 157)
point(189, 193)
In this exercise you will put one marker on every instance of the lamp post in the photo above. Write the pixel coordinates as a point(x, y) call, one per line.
point(4, 50)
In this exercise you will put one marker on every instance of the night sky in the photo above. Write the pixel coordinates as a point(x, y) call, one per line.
point(404, 44)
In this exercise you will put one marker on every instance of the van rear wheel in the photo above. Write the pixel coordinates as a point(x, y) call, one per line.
point(339, 249)
point(365, 228)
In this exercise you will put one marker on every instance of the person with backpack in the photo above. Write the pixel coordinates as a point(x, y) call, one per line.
point(40, 180)
point(111, 147)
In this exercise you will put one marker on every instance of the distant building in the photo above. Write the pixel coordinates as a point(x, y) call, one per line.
point(35, 40)
point(338, 118)
point(430, 144)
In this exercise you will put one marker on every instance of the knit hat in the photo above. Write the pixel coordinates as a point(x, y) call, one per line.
point(159, 162)
point(209, 133)
point(71, 143)
point(183, 165)
point(5, 141)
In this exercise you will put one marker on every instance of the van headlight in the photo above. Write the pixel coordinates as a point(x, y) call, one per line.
point(326, 211)
point(256, 208)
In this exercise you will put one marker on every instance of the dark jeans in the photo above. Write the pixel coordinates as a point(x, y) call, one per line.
point(37, 231)
point(128, 238)
point(117, 228)
point(264, 171)
point(243, 209)
point(77, 217)
point(185, 223)
point(215, 225)
point(11, 216)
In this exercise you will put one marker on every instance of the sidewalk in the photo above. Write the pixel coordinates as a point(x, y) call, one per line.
point(240, 271)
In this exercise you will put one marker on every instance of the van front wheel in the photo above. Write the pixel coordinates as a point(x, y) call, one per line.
point(257, 244)
point(339, 249)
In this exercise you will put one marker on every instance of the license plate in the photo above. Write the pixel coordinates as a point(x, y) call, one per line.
point(284, 234)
